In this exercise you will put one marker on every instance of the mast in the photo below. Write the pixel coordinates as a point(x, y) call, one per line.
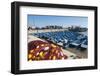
point(34, 25)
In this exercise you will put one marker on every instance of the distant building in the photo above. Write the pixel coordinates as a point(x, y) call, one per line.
point(31, 27)
point(53, 27)
point(77, 29)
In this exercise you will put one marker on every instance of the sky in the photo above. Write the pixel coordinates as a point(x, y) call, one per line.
point(65, 21)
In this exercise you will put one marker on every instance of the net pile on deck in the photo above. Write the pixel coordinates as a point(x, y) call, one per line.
point(40, 50)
